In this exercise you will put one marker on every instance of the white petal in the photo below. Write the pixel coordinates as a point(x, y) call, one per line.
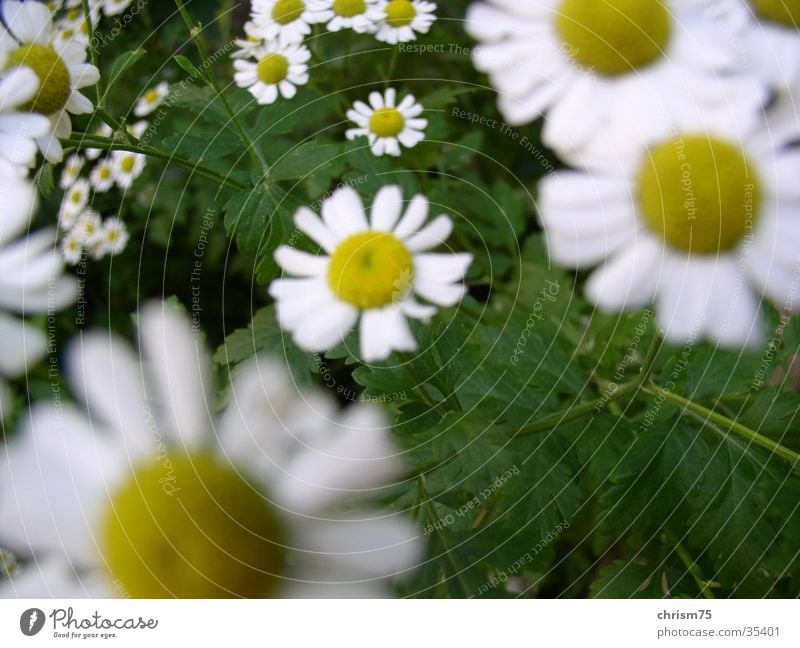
point(344, 213)
point(21, 345)
point(386, 208)
point(416, 213)
point(628, 280)
point(299, 263)
point(434, 233)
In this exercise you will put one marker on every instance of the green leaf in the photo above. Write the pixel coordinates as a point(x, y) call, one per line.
point(201, 148)
point(186, 65)
point(45, 181)
point(122, 63)
point(302, 161)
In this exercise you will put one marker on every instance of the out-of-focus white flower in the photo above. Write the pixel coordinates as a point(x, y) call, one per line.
point(370, 270)
point(71, 248)
point(114, 235)
point(102, 176)
point(103, 130)
point(19, 130)
point(172, 503)
point(88, 227)
point(74, 202)
point(127, 167)
point(72, 170)
point(387, 125)
point(151, 99)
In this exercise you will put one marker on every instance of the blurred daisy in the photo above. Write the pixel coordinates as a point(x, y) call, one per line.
point(611, 75)
point(114, 236)
point(402, 20)
point(87, 228)
point(102, 176)
point(701, 223)
point(359, 15)
point(146, 494)
point(137, 129)
point(75, 200)
point(769, 36)
point(385, 125)
point(19, 130)
point(104, 130)
point(127, 167)
point(114, 7)
point(27, 40)
point(71, 171)
point(279, 69)
point(284, 21)
point(371, 270)
point(151, 99)
point(71, 249)
point(250, 45)
point(33, 282)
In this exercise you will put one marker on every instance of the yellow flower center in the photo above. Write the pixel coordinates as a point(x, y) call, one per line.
point(74, 14)
point(76, 196)
point(67, 34)
point(113, 235)
point(387, 122)
point(273, 68)
point(400, 13)
point(105, 172)
point(370, 269)
point(54, 79)
point(784, 12)
point(127, 163)
point(699, 193)
point(192, 528)
point(151, 96)
point(613, 37)
point(286, 11)
point(349, 8)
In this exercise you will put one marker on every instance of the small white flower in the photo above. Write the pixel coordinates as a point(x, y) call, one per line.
point(370, 270)
point(104, 130)
point(250, 45)
point(151, 99)
point(611, 75)
point(71, 249)
point(385, 125)
point(114, 7)
point(284, 21)
point(138, 129)
point(71, 171)
point(702, 224)
point(102, 176)
point(19, 130)
point(127, 167)
point(361, 16)
point(278, 70)
point(74, 202)
point(260, 502)
point(88, 227)
point(115, 236)
point(27, 39)
point(402, 20)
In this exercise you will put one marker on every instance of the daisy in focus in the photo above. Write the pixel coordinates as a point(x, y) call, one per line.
point(371, 270)
point(151, 100)
point(27, 40)
point(611, 75)
point(277, 71)
point(149, 497)
point(701, 223)
point(284, 21)
point(402, 20)
point(387, 125)
point(361, 16)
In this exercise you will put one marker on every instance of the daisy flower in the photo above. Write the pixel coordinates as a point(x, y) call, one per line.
point(19, 130)
point(127, 167)
point(87, 228)
point(768, 31)
point(138, 129)
point(621, 71)
point(284, 21)
point(385, 125)
point(27, 40)
point(278, 69)
point(371, 270)
point(402, 20)
point(75, 200)
point(114, 235)
point(102, 176)
point(148, 495)
point(114, 7)
point(702, 223)
point(19, 201)
point(250, 45)
point(104, 130)
point(71, 249)
point(71, 171)
point(361, 16)
point(151, 100)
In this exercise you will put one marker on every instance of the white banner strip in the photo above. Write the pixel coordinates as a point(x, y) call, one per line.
point(389, 624)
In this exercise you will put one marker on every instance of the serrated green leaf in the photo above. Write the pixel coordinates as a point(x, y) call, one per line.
point(121, 65)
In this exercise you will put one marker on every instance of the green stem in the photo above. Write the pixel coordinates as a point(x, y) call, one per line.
point(92, 52)
point(194, 33)
point(691, 566)
point(82, 141)
point(392, 64)
point(726, 423)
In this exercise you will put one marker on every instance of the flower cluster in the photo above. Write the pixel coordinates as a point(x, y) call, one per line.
point(679, 120)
